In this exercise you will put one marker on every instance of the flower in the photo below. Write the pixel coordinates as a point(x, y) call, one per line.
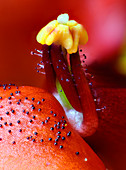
point(54, 51)
point(23, 20)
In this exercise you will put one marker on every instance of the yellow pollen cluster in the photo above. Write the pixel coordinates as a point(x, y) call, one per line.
point(65, 32)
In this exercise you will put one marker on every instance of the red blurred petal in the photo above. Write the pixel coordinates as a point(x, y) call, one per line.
point(110, 140)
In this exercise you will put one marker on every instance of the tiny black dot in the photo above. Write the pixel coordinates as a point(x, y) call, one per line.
point(51, 111)
point(26, 98)
point(0, 139)
point(18, 121)
point(58, 127)
point(55, 125)
point(0, 97)
point(61, 146)
point(54, 115)
point(58, 123)
point(20, 130)
point(69, 133)
point(31, 121)
point(62, 117)
point(11, 94)
point(33, 107)
point(16, 92)
point(43, 123)
point(18, 103)
point(0, 125)
point(13, 142)
point(19, 100)
point(7, 113)
point(35, 133)
point(46, 121)
point(28, 138)
point(5, 123)
point(1, 118)
point(39, 109)
point(43, 100)
point(56, 139)
point(63, 138)
point(58, 136)
point(38, 102)
point(27, 112)
point(80, 50)
point(52, 128)
point(33, 140)
point(41, 140)
point(63, 127)
point(9, 131)
point(84, 56)
point(33, 99)
point(77, 153)
point(55, 143)
point(10, 124)
point(33, 117)
point(10, 102)
point(12, 111)
point(9, 98)
point(23, 111)
point(50, 139)
point(48, 118)
point(59, 132)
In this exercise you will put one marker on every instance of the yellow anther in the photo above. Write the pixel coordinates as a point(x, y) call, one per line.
point(45, 31)
point(66, 37)
point(71, 23)
point(67, 33)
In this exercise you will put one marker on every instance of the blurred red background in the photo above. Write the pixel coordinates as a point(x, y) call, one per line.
point(20, 21)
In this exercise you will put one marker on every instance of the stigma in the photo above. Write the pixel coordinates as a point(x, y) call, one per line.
point(67, 33)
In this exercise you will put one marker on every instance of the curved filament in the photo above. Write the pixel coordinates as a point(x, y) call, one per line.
point(90, 121)
point(62, 72)
point(49, 70)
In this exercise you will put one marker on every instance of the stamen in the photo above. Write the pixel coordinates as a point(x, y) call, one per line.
point(39, 51)
point(101, 109)
point(41, 72)
point(41, 66)
point(37, 54)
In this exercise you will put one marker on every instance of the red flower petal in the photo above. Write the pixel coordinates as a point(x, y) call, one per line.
point(109, 141)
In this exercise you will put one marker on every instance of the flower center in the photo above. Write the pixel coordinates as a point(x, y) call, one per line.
point(64, 69)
